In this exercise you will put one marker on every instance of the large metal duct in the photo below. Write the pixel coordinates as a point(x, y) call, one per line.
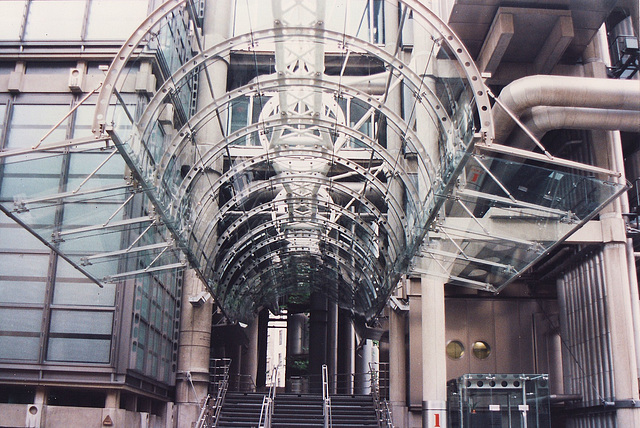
point(541, 119)
point(562, 91)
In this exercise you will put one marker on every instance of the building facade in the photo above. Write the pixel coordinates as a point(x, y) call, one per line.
point(439, 187)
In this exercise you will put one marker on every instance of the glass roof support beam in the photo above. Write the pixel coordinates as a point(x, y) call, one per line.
point(87, 260)
point(521, 204)
point(508, 268)
point(113, 278)
point(478, 285)
point(526, 154)
point(69, 113)
point(517, 120)
point(128, 222)
point(66, 144)
point(95, 171)
point(21, 205)
point(467, 232)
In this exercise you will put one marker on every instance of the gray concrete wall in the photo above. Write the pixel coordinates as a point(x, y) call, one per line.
point(17, 415)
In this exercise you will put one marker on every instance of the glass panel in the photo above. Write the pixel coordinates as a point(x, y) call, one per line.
point(11, 17)
point(81, 322)
point(73, 288)
point(38, 173)
point(15, 237)
point(24, 265)
point(55, 19)
point(20, 320)
point(115, 19)
point(501, 222)
point(22, 291)
point(19, 348)
point(79, 350)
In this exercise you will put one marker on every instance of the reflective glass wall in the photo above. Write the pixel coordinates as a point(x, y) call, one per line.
point(80, 200)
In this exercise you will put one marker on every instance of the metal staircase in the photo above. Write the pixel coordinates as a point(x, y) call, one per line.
point(305, 410)
point(300, 410)
point(241, 410)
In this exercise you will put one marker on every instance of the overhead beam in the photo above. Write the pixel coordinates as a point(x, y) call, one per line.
point(496, 43)
point(517, 228)
point(555, 45)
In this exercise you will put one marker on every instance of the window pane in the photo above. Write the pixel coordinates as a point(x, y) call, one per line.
point(79, 350)
point(55, 20)
point(81, 322)
point(29, 123)
point(24, 265)
point(79, 293)
point(20, 320)
point(115, 19)
point(11, 12)
point(19, 348)
point(15, 237)
point(22, 292)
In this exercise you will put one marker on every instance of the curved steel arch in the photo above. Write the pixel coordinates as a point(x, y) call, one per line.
point(264, 158)
point(354, 217)
point(364, 251)
point(189, 216)
point(215, 53)
point(227, 233)
point(236, 169)
point(327, 240)
point(419, 10)
point(182, 136)
point(233, 282)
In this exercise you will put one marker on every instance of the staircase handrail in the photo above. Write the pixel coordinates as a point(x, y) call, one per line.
point(383, 412)
point(326, 399)
point(211, 408)
point(202, 418)
point(266, 412)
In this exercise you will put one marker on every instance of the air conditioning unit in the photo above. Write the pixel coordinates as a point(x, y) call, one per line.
point(76, 76)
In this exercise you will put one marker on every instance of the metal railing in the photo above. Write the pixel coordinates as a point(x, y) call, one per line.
point(383, 411)
point(241, 383)
point(326, 399)
point(212, 406)
point(341, 383)
point(266, 412)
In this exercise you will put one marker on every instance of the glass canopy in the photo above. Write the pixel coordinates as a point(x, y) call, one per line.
point(324, 146)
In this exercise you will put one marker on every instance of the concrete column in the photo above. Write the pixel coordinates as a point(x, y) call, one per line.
point(332, 345)
point(346, 353)
point(414, 370)
point(434, 363)
point(249, 364)
point(317, 339)
point(192, 380)
point(263, 326)
point(364, 357)
point(110, 413)
point(622, 335)
point(621, 302)
point(397, 367)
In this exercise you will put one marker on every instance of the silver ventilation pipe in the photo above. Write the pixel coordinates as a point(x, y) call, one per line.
point(541, 119)
point(562, 91)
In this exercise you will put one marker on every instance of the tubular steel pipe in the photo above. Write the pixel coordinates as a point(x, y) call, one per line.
point(542, 119)
point(563, 91)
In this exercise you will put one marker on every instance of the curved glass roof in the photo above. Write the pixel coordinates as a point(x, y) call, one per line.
point(337, 156)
